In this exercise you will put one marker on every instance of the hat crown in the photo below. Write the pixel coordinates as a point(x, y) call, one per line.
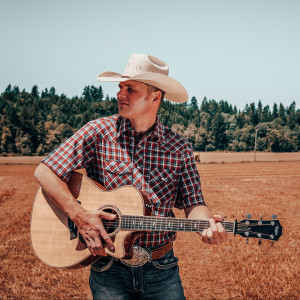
point(143, 64)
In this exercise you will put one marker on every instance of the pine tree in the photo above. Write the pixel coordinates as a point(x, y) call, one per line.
point(35, 92)
point(194, 103)
point(253, 114)
point(275, 111)
point(259, 111)
point(100, 93)
point(87, 93)
point(281, 112)
point(45, 93)
point(218, 131)
point(8, 89)
point(16, 90)
point(266, 114)
point(204, 105)
point(52, 92)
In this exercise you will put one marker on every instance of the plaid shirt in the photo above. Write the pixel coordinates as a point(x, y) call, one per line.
point(160, 164)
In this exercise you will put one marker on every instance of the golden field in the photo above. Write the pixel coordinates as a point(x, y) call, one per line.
point(233, 270)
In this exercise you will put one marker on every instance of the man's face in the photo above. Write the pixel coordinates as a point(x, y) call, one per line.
point(133, 99)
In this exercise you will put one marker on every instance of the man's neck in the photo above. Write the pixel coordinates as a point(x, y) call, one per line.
point(142, 126)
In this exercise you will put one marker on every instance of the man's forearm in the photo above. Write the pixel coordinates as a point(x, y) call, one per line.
point(57, 191)
point(198, 212)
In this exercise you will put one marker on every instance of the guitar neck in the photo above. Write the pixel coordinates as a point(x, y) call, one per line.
point(169, 224)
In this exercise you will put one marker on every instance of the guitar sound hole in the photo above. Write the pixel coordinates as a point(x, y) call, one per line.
point(111, 225)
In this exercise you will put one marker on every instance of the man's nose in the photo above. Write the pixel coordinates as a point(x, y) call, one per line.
point(121, 94)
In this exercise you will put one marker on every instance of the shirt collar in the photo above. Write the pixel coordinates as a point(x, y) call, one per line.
point(124, 126)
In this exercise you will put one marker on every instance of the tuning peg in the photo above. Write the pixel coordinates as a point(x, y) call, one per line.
point(274, 217)
point(247, 240)
point(249, 216)
point(261, 216)
point(259, 242)
point(272, 243)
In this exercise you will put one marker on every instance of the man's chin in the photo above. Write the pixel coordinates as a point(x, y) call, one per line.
point(123, 113)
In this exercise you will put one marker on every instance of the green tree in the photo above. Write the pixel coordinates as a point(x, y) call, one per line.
point(275, 111)
point(292, 108)
point(8, 93)
point(213, 107)
point(253, 114)
point(8, 89)
point(52, 92)
point(16, 91)
point(204, 105)
point(281, 112)
point(259, 111)
point(240, 120)
point(45, 93)
point(266, 114)
point(291, 120)
point(194, 103)
point(87, 93)
point(218, 131)
point(35, 91)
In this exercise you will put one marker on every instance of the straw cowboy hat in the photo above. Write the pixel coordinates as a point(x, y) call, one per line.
point(150, 70)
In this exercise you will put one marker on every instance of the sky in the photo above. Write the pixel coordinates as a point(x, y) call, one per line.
point(234, 50)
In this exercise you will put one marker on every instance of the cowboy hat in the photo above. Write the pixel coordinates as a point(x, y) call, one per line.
point(150, 70)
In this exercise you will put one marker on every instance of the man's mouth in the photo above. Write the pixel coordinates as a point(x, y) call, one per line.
point(123, 103)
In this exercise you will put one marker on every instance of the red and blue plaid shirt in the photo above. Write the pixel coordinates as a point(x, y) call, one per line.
point(159, 163)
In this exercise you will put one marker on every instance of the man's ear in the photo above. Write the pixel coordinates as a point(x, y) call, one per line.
point(157, 96)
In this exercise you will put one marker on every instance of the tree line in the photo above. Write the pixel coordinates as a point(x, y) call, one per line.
point(34, 123)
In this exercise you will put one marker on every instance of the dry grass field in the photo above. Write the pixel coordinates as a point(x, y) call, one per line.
point(233, 270)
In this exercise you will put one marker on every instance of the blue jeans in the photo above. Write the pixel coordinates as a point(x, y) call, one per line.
point(157, 279)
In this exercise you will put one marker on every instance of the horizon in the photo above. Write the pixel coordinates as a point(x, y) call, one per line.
point(189, 102)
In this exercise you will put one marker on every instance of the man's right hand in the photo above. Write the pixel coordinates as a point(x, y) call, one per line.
point(90, 226)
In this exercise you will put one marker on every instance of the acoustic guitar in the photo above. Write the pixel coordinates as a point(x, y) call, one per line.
point(57, 242)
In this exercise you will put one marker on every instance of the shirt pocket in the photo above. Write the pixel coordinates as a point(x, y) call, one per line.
point(117, 173)
point(162, 185)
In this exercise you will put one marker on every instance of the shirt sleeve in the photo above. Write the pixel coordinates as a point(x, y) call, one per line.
point(75, 153)
point(190, 192)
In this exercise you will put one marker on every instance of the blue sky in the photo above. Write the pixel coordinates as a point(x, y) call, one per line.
point(235, 50)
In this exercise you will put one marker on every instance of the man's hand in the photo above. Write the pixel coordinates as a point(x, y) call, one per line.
point(216, 233)
point(92, 230)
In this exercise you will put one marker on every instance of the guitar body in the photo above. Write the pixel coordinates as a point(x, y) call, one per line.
point(50, 227)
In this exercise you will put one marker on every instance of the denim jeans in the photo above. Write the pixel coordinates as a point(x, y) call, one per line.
point(156, 280)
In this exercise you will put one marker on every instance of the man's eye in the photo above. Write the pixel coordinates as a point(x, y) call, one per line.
point(130, 90)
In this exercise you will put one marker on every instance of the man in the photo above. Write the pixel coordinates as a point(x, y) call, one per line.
point(133, 148)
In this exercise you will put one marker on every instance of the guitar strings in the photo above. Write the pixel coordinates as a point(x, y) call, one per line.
point(154, 223)
point(158, 223)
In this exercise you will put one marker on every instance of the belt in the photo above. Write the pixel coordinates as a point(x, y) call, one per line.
point(141, 255)
point(159, 252)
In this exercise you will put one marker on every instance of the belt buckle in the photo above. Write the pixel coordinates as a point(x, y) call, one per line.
point(139, 258)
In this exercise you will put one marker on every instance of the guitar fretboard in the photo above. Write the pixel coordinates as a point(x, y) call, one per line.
point(169, 224)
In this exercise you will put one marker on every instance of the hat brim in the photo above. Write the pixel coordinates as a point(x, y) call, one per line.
point(174, 91)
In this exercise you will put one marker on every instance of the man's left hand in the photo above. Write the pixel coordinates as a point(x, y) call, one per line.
point(216, 233)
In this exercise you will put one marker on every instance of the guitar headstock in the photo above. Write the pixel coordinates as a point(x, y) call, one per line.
point(259, 229)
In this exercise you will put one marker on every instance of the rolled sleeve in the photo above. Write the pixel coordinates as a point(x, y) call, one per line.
point(75, 153)
point(190, 192)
